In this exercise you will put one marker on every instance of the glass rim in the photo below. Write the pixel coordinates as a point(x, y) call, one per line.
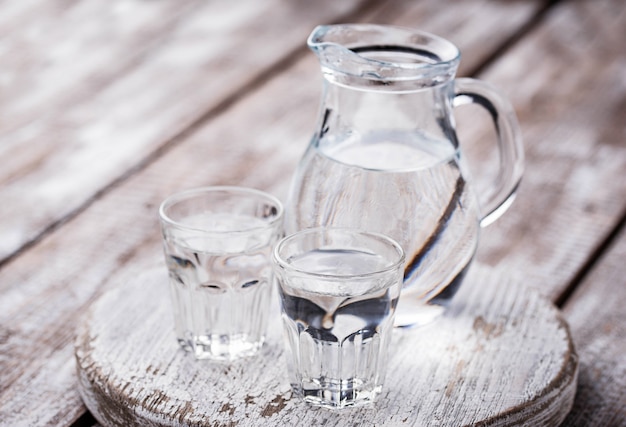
point(282, 262)
point(190, 193)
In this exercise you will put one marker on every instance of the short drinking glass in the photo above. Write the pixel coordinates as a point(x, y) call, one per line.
point(338, 291)
point(217, 243)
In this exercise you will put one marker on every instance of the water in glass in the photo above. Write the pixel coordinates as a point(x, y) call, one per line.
point(338, 331)
point(220, 286)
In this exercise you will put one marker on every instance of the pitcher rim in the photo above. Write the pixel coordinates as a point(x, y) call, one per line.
point(346, 59)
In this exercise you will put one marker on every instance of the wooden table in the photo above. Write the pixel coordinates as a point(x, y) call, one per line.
point(109, 106)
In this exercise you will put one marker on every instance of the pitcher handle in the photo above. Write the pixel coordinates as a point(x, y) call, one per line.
point(501, 193)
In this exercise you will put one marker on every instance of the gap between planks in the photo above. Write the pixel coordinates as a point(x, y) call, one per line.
point(507, 44)
point(594, 258)
point(85, 420)
point(604, 243)
point(291, 57)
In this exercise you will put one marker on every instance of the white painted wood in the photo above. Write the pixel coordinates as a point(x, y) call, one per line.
point(501, 356)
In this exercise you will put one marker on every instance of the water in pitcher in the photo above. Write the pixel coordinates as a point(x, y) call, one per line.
point(405, 185)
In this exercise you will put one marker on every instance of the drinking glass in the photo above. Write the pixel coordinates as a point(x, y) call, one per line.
point(217, 243)
point(338, 290)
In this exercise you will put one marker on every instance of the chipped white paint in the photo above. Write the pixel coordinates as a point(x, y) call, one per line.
point(501, 355)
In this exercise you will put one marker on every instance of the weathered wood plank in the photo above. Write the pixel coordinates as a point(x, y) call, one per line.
point(51, 352)
point(567, 81)
point(59, 52)
point(45, 288)
point(145, 75)
point(453, 20)
point(598, 323)
point(66, 148)
point(56, 55)
point(457, 371)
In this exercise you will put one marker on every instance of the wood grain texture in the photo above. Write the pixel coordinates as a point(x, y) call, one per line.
point(47, 287)
point(598, 323)
point(86, 124)
point(149, 70)
point(498, 22)
point(498, 358)
point(56, 58)
point(257, 142)
point(567, 81)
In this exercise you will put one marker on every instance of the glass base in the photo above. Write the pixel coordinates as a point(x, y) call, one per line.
point(333, 394)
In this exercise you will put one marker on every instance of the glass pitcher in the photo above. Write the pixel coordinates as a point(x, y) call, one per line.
point(385, 156)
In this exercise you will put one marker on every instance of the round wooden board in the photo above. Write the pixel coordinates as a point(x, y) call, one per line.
point(500, 356)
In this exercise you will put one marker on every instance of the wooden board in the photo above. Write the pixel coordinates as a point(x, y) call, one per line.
point(502, 356)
